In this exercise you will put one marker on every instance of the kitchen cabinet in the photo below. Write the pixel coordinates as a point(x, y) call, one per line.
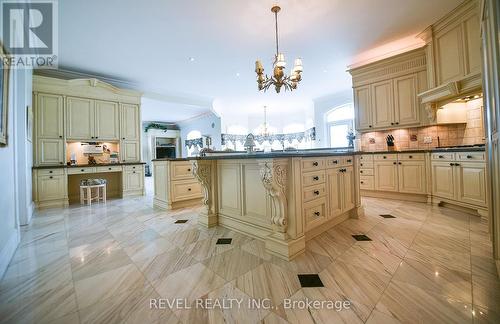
point(49, 116)
point(362, 106)
point(335, 188)
point(471, 183)
point(130, 122)
point(107, 126)
point(382, 104)
point(348, 198)
point(411, 176)
point(406, 107)
point(50, 151)
point(51, 187)
point(130, 151)
point(133, 180)
point(386, 175)
point(80, 118)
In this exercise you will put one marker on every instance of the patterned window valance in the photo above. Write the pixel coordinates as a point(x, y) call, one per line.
point(308, 135)
point(194, 142)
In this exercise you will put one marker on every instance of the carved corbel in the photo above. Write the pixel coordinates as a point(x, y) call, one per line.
point(430, 109)
point(204, 172)
point(273, 175)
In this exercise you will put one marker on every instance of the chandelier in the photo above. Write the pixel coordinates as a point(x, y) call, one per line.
point(264, 130)
point(279, 79)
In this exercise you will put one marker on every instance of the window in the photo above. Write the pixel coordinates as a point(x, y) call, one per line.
point(339, 122)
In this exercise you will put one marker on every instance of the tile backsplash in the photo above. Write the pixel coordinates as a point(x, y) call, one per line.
point(468, 133)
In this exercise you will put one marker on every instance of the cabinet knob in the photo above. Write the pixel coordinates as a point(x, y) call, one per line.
point(441, 157)
point(361, 164)
point(400, 163)
point(469, 156)
point(189, 189)
point(51, 177)
point(60, 136)
point(385, 157)
point(316, 192)
point(316, 178)
point(397, 123)
point(370, 126)
point(361, 182)
point(361, 171)
point(51, 171)
point(61, 163)
point(335, 161)
point(82, 170)
point(392, 123)
point(123, 138)
point(457, 164)
point(317, 213)
point(189, 170)
point(109, 168)
point(410, 157)
point(393, 162)
point(452, 164)
point(133, 171)
point(349, 161)
point(315, 163)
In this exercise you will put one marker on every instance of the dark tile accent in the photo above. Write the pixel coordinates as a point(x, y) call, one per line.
point(224, 241)
point(361, 237)
point(388, 216)
point(180, 221)
point(310, 280)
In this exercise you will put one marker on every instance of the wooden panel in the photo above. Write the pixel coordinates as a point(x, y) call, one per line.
point(347, 160)
point(313, 192)
point(133, 167)
point(80, 118)
point(411, 175)
point(366, 165)
point(130, 122)
point(181, 170)
point(49, 116)
point(51, 187)
point(49, 172)
point(77, 170)
point(385, 157)
point(449, 55)
point(312, 164)
point(472, 44)
point(130, 151)
point(386, 176)
point(315, 214)
point(472, 183)
point(133, 180)
point(348, 196)
point(366, 157)
point(382, 104)
point(111, 168)
point(366, 172)
point(185, 189)
point(443, 180)
point(411, 156)
point(229, 189)
point(442, 156)
point(362, 108)
point(107, 125)
point(334, 162)
point(50, 151)
point(471, 156)
point(367, 183)
point(334, 182)
point(313, 178)
point(406, 107)
point(254, 195)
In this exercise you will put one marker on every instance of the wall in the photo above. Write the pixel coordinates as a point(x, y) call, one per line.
point(207, 124)
point(15, 168)
point(472, 132)
point(321, 107)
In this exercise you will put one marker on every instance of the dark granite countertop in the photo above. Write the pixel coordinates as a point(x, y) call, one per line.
point(85, 165)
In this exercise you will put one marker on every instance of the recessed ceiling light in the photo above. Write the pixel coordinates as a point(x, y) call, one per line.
point(191, 59)
point(237, 74)
point(325, 70)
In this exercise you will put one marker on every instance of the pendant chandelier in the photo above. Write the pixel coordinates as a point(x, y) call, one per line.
point(279, 79)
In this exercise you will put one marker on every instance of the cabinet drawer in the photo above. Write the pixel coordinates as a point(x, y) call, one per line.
point(366, 158)
point(134, 167)
point(111, 168)
point(471, 156)
point(314, 192)
point(315, 213)
point(347, 160)
point(334, 161)
point(385, 157)
point(313, 178)
point(311, 164)
point(366, 164)
point(411, 156)
point(367, 183)
point(81, 170)
point(443, 156)
point(49, 172)
point(366, 172)
point(182, 190)
point(181, 170)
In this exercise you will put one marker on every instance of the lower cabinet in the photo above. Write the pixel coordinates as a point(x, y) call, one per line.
point(50, 151)
point(133, 179)
point(386, 175)
point(411, 176)
point(443, 180)
point(130, 151)
point(51, 187)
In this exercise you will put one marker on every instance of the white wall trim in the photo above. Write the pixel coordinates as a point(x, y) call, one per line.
point(8, 251)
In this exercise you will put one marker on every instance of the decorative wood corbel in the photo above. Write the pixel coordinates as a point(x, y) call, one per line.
point(204, 172)
point(430, 109)
point(273, 175)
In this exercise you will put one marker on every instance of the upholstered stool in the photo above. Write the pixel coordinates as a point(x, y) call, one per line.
point(88, 186)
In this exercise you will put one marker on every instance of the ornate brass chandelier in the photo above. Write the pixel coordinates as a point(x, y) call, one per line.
point(279, 79)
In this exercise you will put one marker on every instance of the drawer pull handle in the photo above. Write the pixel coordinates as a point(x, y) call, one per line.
point(441, 157)
point(361, 171)
point(316, 192)
point(335, 161)
point(109, 168)
point(316, 178)
point(385, 157)
point(393, 162)
point(189, 170)
point(317, 213)
point(469, 156)
point(457, 164)
point(361, 164)
point(189, 189)
point(400, 163)
point(51, 171)
point(349, 161)
point(452, 164)
point(411, 156)
point(51, 177)
point(133, 171)
point(361, 182)
point(82, 170)
point(315, 163)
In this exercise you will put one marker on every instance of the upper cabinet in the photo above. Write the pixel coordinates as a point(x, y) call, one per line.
point(49, 116)
point(453, 51)
point(385, 92)
point(79, 118)
point(131, 120)
point(107, 125)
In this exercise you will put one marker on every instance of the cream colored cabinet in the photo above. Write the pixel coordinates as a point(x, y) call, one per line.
point(362, 107)
point(348, 198)
point(51, 187)
point(334, 181)
point(107, 126)
point(49, 116)
point(411, 176)
point(443, 180)
point(50, 151)
point(130, 122)
point(133, 179)
point(130, 151)
point(471, 181)
point(406, 107)
point(382, 104)
point(80, 118)
point(386, 175)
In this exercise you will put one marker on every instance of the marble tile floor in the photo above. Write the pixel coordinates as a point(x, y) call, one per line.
point(103, 264)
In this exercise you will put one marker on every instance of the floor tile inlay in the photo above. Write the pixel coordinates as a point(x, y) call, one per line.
point(310, 280)
point(224, 241)
point(387, 216)
point(181, 221)
point(361, 237)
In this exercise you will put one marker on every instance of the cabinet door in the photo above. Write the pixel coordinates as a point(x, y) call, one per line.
point(449, 55)
point(473, 45)
point(443, 181)
point(133, 180)
point(411, 175)
point(51, 187)
point(130, 151)
point(334, 183)
point(106, 120)
point(49, 116)
point(348, 189)
point(405, 100)
point(386, 175)
point(362, 108)
point(80, 118)
point(472, 183)
point(382, 104)
point(130, 122)
point(50, 151)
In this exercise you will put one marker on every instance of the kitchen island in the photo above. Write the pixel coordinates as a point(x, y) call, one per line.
point(280, 198)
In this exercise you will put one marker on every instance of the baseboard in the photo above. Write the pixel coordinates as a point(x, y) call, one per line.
point(394, 195)
point(30, 209)
point(326, 226)
point(8, 251)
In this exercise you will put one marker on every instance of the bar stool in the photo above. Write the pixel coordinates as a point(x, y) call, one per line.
point(88, 187)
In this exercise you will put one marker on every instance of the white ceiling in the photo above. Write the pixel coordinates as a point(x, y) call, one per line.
point(149, 43)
